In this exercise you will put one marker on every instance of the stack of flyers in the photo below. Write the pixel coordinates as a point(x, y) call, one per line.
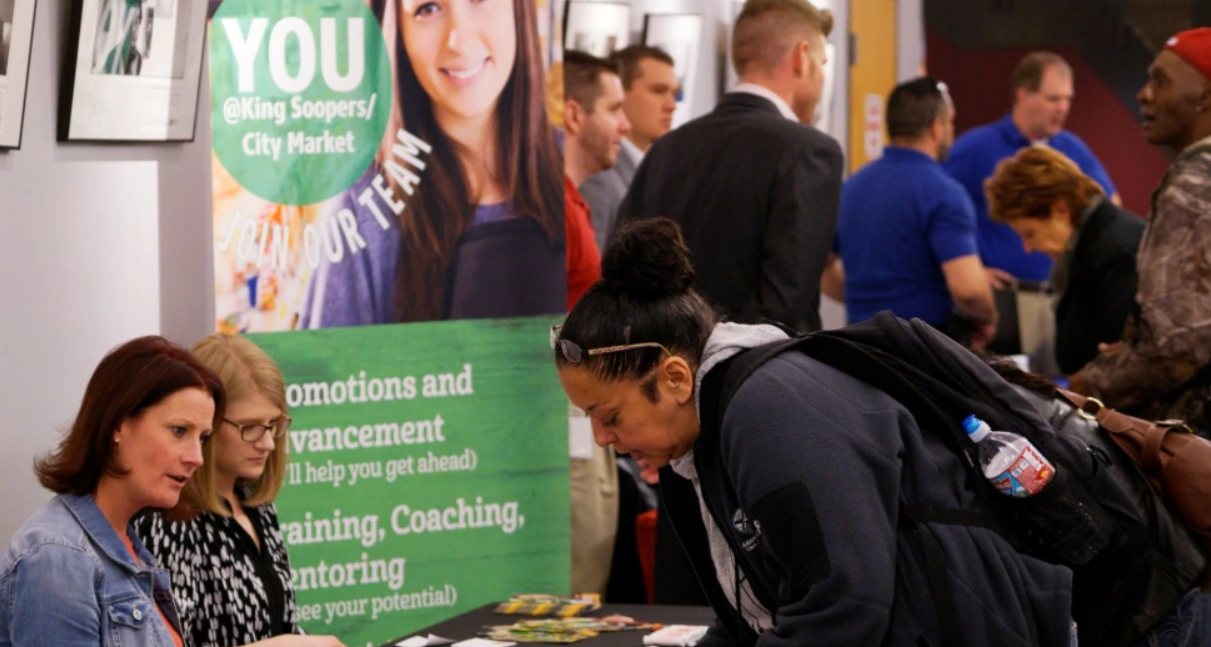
point(549, 605)
point(675, 636)
point(563, 630)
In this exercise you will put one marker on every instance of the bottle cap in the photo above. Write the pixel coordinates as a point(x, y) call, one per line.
point(976, 429)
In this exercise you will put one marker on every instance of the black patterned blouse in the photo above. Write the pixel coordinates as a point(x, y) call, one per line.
point(228, 592)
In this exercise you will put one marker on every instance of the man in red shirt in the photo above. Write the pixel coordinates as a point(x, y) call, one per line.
point(594, 124)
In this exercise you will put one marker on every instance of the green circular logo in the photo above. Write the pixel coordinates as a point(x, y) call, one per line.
point(300, 94)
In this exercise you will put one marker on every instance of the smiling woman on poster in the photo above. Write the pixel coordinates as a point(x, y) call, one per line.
point(482, 232)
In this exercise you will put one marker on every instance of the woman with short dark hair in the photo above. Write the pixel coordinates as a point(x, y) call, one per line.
point(1061, 212)
point(75, 573)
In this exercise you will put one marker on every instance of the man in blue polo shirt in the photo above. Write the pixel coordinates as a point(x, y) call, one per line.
point(1042, 85)
point(906, 233)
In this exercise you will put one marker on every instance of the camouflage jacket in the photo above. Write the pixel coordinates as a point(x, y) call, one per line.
point(1158, 372)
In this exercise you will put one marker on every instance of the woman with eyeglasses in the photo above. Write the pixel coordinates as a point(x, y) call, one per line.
point(787, 507)
point(226, 514)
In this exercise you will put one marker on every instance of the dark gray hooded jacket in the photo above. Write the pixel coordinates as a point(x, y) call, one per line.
point(804, 481)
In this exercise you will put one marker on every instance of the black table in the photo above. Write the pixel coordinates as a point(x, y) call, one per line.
point(469, 624)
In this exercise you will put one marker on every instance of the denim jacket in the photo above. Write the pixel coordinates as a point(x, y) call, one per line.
point(67, 580)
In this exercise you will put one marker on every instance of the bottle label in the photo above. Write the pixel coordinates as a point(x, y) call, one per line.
point(1028, 473)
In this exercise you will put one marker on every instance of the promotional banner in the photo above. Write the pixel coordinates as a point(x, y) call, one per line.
point(383, 162)
point(389, 227)
point(426, 478)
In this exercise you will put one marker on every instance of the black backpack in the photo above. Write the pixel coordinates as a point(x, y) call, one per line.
point(1087, 518)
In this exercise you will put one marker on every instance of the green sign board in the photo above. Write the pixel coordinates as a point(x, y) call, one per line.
point(428, 472)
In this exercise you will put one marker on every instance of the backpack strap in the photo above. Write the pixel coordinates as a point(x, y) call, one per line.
point(869, 365)
point(743, 365)
point(935, 569)
point(710, 422)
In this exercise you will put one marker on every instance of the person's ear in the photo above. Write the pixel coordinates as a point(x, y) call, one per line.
point(1204, 98)
point(802, 59)
point(573, 117)
point(121, 431)
point(677, 379)
point(937, 128)
point(1061, 211)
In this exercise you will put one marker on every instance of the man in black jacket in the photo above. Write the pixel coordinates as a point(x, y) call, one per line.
point(754, 189)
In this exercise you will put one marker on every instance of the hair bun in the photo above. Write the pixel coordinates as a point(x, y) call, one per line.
point(648, 259)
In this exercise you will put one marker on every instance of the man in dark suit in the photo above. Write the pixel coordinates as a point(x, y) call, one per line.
point(753, 187)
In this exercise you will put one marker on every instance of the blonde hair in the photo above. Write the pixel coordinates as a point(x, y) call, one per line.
point(1027, 184)
point(245, 370)
point(766, 30)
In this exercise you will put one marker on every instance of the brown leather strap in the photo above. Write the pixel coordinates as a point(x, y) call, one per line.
point(1114, 422)
point(1153, 433)
point(1093, 408)
point(1077, 400)
point(1116, 425)
point(1154, 437)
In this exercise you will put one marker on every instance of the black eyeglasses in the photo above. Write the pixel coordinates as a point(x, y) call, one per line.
point(253, 431)
point(573, 353)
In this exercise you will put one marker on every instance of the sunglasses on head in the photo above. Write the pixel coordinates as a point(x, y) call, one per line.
point(574, 354)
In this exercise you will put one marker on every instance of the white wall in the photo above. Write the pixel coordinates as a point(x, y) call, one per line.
point(910, 39)
point(98, 244)
point(712, 73)
point(711, 47)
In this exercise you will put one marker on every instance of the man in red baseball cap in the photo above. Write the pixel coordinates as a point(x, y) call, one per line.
point(1162, 368)
point(1176, 101)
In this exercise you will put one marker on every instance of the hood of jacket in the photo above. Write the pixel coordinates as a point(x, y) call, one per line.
point(727, 340)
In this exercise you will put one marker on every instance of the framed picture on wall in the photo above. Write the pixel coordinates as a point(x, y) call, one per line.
point(678, 35)
point(16, 35)
point(132, 70)
point(598, 28)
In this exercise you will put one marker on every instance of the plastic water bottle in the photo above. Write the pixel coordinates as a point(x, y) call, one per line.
point(1010, 462)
